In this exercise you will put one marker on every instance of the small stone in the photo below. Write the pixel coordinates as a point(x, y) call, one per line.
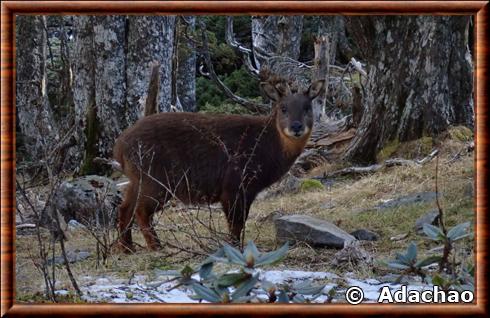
point(365, 235)
point(313, 231)
point(399, 237)
point(352, 254)
point(74, 225)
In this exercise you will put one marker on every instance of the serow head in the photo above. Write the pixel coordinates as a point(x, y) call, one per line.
point(294, 115)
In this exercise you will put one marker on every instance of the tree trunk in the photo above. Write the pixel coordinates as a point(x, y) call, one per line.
point(149, 39)
point(419, 79)
point(186, 74)
point(38, 131)
point(99, 90)
point(276, 36)
point(323, 49)
point(334, 28)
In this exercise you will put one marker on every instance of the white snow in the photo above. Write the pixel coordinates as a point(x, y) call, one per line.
point(140, 290)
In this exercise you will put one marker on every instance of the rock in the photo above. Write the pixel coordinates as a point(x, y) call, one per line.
point(365, 235)
point(420, 197)
point(288, 184)
point(431, 217)
point(311, 230)
point(399, 237)
point(73, 225)
point(71, 256)
point(352, 254)
point(271, 216)
point(328, 205)
point(89, 200)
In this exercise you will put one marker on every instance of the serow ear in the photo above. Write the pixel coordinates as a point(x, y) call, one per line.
point(315, 89)
point(271, 91)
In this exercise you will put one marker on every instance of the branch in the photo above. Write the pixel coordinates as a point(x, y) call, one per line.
point(376, 167)
point(252, 106)
point(231, 40)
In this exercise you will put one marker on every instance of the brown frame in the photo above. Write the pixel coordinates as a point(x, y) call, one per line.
point(10, 8)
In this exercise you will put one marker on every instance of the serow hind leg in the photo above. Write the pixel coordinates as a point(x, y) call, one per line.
point(125, 242)
point(144, 218)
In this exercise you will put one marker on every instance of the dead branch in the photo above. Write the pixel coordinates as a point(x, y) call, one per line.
point(250, 105)
point(246, 52)
point(153, 86)
point(376, 167)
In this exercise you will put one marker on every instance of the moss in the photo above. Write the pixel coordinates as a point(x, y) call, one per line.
point(460, 133)
point(388, 150)
point(408, 150)
point(308, 185)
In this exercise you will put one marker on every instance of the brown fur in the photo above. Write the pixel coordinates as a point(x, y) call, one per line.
point(200, 158)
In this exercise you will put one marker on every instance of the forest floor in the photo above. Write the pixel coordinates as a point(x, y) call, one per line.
point(349, 202)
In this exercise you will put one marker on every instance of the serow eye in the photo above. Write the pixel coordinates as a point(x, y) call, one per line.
point(284, 109)
point(307, 109)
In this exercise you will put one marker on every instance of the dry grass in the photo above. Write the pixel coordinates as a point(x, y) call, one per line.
point(350, 205)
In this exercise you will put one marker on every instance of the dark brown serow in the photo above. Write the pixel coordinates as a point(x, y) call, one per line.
point(200, 158)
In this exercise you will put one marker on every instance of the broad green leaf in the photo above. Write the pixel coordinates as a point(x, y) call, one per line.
point(427, 261)
point(274, 256)
point(433, 232)
point(251, 248)
point(307, 288)
point(234, 255)
point(247, 285)
point(397, 265)
point(283, 297)
point(411, 253)
point(401, 259)
point(230, 279)
point(206, 270)
point(299, 299)
point(458, 230)
point(206, 293)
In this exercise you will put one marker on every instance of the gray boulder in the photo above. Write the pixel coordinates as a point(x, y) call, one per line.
point(313, 231)
point(431, 217)
point(420, 197)
point(89, 200)
point(365, 235)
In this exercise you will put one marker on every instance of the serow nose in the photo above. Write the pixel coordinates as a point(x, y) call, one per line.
point(296, 126)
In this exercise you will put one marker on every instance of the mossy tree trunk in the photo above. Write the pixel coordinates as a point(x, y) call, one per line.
point(99, 89)
point(35, 123)
point(419, 79)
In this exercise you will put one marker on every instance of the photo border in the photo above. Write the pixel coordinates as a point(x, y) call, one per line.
point(7, 165)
